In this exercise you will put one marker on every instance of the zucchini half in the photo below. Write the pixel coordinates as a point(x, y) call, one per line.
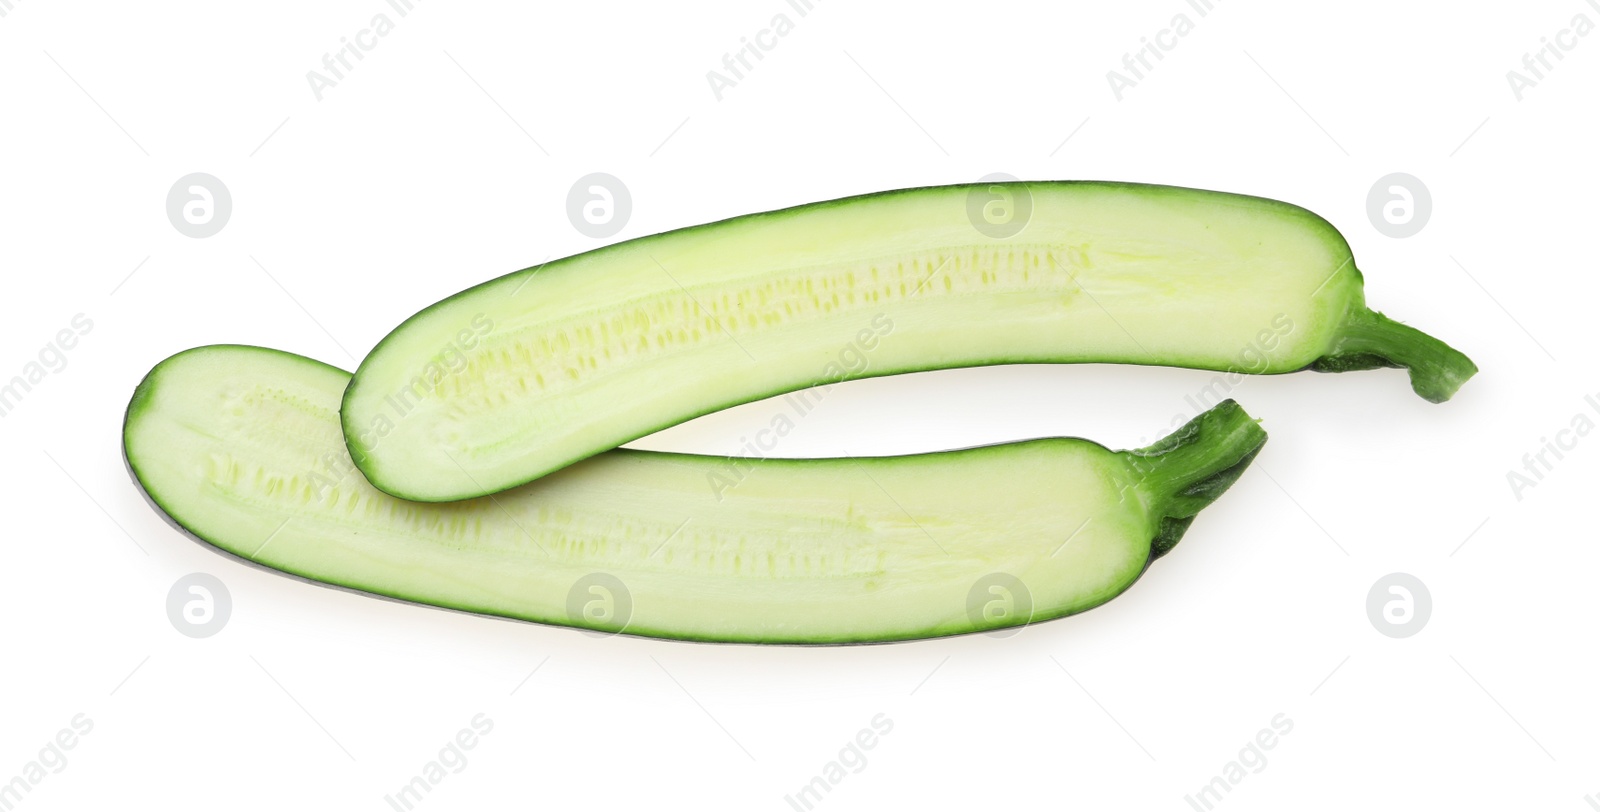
point(241, 447)
point(526, 374)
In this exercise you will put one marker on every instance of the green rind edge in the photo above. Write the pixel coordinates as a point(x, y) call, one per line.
point(365, 464)
point(1191, 439)
point(1187, 470)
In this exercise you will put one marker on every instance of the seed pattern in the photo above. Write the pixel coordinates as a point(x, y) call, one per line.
point(557, 355)
point(282, 427)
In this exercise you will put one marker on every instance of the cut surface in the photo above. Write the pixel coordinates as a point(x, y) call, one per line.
point(520, 376)
point(241, 446)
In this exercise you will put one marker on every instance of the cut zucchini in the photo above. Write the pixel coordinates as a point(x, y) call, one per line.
point(523, 375)
point(241, 447)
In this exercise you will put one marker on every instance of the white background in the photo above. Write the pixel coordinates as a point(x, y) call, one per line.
point(445, 158)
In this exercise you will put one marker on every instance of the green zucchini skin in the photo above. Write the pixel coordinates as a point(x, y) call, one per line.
point(241, 448)
point(528, 373)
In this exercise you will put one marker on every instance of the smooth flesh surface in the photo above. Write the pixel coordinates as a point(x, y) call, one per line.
point(518, 377)
point(241, 447)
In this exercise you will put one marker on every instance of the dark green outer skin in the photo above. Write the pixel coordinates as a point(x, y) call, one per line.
point(1336, 359)
point(1188, 496)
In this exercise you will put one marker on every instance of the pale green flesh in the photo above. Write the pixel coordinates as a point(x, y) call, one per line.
point(233, 443)
point(535, 370)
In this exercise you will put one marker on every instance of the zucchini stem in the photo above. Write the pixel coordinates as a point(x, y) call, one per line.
point(1190, 468)
point(1370, 339)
